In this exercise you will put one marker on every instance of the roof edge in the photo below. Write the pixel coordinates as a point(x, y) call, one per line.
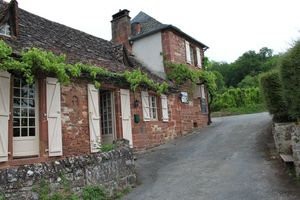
point(172, 28)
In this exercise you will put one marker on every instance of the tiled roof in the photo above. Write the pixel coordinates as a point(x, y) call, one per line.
point(35, 31)
point(149, 25)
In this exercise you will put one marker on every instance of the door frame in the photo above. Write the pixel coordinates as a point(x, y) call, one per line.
point(113, 114)
point(37, 124)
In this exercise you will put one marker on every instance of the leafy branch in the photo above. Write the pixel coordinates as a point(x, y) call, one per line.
point(36, 61)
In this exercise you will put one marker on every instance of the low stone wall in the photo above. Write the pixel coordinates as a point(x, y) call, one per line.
point(282, 137)
point(113, 170)
point(296, 148)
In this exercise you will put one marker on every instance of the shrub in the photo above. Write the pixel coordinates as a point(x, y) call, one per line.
point(94, 193)
point(236, 98)
point(290, 76)
point(272, 92)
point(106, 147)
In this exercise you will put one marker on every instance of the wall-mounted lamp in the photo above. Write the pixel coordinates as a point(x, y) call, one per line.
point(136, 103)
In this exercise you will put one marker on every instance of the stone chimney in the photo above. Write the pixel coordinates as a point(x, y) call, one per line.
point(121, 28)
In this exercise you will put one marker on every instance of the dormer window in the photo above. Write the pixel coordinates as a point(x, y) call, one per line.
point(5, 29)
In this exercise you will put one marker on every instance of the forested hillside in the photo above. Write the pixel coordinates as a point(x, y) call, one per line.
point(238, 82)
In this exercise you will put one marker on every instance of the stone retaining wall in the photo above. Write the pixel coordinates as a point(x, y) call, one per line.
point(282, 137)
point(113, 170)
point(296, 148)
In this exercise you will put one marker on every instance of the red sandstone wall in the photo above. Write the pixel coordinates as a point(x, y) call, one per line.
point(75, 125)
point(174, 47)
point(182, 118)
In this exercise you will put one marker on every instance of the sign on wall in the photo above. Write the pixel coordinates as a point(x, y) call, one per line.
point(184, 97)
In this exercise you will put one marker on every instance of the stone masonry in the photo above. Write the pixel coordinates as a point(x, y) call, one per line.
point(282, 137)
point(113, 170)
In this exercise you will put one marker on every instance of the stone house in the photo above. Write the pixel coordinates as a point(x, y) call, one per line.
point(46, 120)
point(153, 44)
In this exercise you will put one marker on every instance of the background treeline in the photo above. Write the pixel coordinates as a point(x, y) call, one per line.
point(238, 82)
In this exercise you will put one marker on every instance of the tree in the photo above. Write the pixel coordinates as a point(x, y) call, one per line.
point(265, 53)
point(219, 81)
point(248, 82)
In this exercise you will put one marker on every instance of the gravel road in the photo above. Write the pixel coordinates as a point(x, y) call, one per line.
point(229, 160)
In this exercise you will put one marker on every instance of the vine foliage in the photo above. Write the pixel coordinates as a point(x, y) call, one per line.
point(36, 61)
point(180, 73)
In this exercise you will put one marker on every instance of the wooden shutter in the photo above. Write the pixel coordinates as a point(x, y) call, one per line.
point(197, 91)
point(4, 114)
point(199, 60)
point(126, 116)
point(164, 106)
point(94, 118)
point(203, 92)
point(188, 52)
point(146, 106)
point(54, 117)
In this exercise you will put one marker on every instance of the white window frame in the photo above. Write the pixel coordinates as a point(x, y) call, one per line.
point(153, 107)
point(18, 140)
point(202, 88)
point(192, 55)
point(188, 52)
point(5, 29)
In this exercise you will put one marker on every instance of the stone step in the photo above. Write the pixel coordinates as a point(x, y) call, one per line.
point(287, 158)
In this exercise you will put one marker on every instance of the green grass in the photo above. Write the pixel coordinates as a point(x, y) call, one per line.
point(121, 193)
point(89, 192)
point(107, 147)
point(239, 111)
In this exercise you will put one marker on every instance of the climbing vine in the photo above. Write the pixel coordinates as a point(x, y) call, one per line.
point(180, 73)
point(35, 61)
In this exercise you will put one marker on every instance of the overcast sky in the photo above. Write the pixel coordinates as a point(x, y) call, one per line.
point(228, 27)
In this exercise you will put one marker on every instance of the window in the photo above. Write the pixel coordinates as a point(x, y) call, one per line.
point(5, 29)
point(188, 52)
point(203, 100)
point(153, 107)
point(190, 59)
point(192, 55)
point(149, 105)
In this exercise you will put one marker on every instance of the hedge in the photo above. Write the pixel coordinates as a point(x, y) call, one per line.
point(272, 93)
point(290, 77)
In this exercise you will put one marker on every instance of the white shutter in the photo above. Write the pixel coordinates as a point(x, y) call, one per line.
point(54, 117)
point(126, 115)
point(4, 114)
point(203, 92)
point(197, 91)
point(164, 106)
point(146, 106)
point(199, 60)
point(188, 52)
point(94, 117)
